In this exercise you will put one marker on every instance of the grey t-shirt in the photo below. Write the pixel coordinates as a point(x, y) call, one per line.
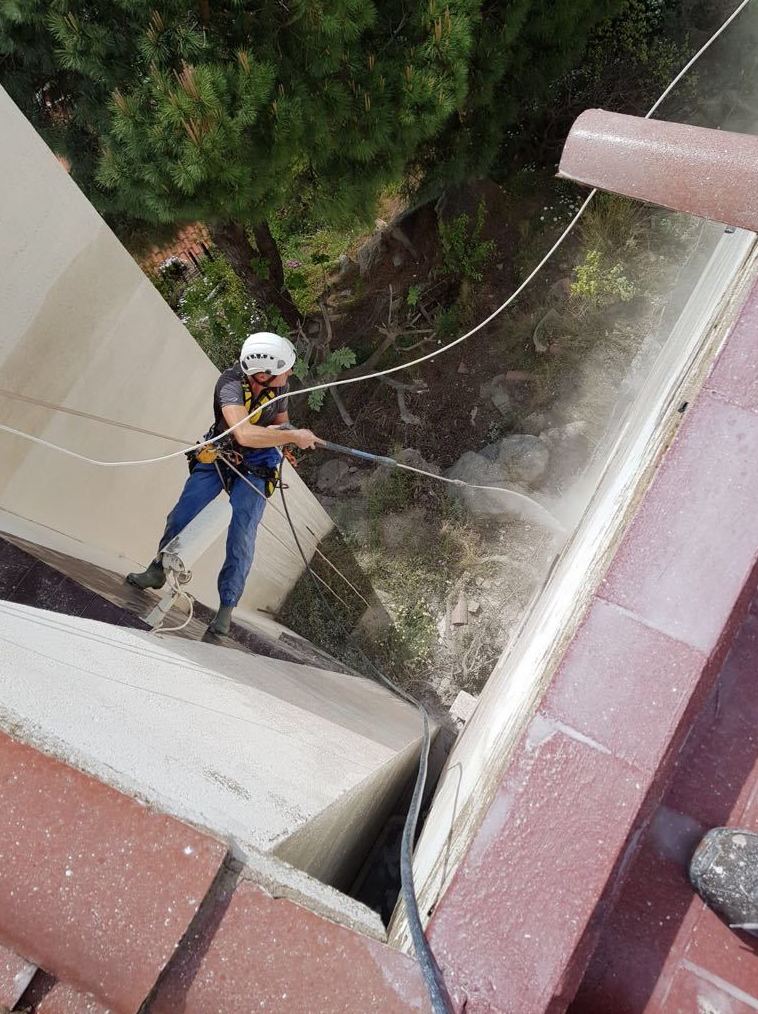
point(229, 391)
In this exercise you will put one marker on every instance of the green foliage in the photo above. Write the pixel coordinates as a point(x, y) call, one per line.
point(612, 224)
point(390, 492)
point(465, 253)
point(450, 322)
point(310, 252)
point(217, 311)
point(410, 641)
point(599, 284)
point(328, 369)
point(413, 295)
point(521, 50)
point(170, 116)
point(632, 57)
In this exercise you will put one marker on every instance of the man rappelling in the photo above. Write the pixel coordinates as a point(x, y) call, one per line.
point(243, 398)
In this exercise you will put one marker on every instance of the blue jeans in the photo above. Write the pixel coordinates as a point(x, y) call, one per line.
point(204, 485)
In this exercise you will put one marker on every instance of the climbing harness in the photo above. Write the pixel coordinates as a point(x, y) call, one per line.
point(207, 451)
point(226, 451)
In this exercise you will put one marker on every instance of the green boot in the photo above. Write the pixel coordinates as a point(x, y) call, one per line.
point(153, 577)
point(222, 622)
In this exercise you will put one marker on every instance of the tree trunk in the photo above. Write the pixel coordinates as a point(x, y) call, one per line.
point(231, 239)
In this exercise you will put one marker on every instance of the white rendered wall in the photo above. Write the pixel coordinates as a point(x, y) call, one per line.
point(82, 327)
point(271, 756)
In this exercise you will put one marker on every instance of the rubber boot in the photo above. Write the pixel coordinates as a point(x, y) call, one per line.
point(221, 623)
point(724, 872)
point(153, 577)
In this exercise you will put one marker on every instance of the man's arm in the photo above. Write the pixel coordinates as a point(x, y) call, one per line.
point(264, 436)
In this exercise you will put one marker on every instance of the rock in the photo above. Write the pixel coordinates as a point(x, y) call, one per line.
point(346, 265)
point(459, 615)
point(462, 368)
point(398, 260)
point(524, 458)
point(336, 477)
point(474, 606)
point(478, 470)
point(570, 436)
point(535, 423)
point(410, 456)
point(491, 451)
point(475, 468)
point(370, 252)
point(496, 390)
point(463, 707)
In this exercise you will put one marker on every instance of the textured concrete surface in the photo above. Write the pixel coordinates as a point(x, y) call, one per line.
point(268, 754)
point(121, 903)
point(662, 950)
point(15, 975)
point(705, 172)
point(261, 953)
point(94, 886)
point(83, 328)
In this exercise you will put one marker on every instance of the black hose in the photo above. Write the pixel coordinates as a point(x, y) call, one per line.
point(435, 985)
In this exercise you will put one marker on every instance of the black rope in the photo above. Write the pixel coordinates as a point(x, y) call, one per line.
point(435, 985)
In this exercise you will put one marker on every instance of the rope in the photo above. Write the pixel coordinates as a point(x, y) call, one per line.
point(15, 396)
point(413, 362)
point(173, 582)
point(433, 980)
point(289, 548)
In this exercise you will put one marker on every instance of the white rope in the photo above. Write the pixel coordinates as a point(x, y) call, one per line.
point(413, 362)
point(289, 548)
point(179, 592)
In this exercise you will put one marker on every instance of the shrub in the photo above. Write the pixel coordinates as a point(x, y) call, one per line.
point(218, 312)
point(329, 369)
point(599, 285)
point(465, 253)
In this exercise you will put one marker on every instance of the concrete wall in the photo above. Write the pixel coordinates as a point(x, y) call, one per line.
point(271, 756)
point(83, 328)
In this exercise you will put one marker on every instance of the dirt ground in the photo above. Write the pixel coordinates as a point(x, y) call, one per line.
point(456, 583)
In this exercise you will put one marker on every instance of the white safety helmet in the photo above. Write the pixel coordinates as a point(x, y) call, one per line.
point(264, 352)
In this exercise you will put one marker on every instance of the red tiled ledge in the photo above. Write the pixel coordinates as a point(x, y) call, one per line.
point(132, 910)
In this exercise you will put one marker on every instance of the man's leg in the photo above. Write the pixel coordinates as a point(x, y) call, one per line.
point(247, 511)
point(203, 485)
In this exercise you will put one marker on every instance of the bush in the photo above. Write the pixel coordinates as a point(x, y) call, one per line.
point(331, 367)
point(611, 224)
point(219, 313)
point(465, 253)
point(599, 285)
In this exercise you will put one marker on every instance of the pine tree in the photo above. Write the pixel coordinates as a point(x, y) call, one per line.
point(522, 50)
point(171, 111)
